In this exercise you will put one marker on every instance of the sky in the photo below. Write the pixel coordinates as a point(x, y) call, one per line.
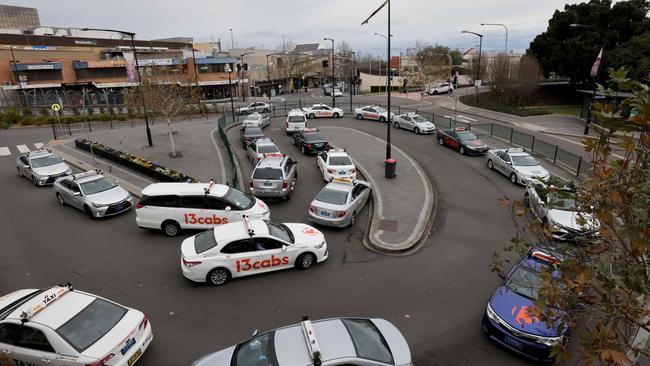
point(263, 23)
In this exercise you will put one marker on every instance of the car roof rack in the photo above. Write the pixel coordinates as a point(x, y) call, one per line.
point(39, 152)
point(48, 297)
point(207, 189)
point(89, 173)
point(247, 224)
point(312, 342)
point(515, 149)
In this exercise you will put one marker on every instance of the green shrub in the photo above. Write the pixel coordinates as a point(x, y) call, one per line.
point(27, 112)
point(49, 120)
point(90, 111)
point(75, 111)
point(105, 118)
point(121, 118)
point(43, 111)
point(10, 116)
point(111, 111)
point(27, 121)
point(130, 112)
point(102, 110)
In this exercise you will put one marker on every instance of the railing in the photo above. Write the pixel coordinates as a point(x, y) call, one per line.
point(231, 155)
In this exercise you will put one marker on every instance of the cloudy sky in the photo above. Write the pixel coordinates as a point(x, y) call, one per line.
point(262, 23)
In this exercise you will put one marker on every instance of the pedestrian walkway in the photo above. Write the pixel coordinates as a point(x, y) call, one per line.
point(20, 149)
point(403, 207)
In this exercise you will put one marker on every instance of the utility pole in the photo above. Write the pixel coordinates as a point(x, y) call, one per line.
point(332, 66)
point(478, 71)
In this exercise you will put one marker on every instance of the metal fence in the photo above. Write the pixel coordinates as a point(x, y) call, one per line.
point(231, 155)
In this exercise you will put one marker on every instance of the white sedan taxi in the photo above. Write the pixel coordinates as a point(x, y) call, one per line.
point(339, 202)
point(336, 163)
point(373, 112)
point(322, 110)
point(250, 247)
point(517, 164)
point(61, 326)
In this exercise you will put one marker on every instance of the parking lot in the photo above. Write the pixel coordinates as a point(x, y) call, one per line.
point(436, 297)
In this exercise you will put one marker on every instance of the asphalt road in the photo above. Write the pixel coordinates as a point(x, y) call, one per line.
point(436, 297)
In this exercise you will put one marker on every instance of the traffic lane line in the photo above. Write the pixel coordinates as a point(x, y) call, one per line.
point(4, 151)
point(22, 148)
point(38, 145)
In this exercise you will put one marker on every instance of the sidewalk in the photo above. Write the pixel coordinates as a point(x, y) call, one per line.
point(404, 207)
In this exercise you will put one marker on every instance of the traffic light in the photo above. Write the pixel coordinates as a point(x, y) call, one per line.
point(245, 67)
point(325, 64)
point(238, 67)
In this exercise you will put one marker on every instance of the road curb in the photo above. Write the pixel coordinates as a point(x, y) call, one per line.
point(240, 178)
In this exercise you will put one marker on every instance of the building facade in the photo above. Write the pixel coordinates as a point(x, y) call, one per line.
point(18, 17)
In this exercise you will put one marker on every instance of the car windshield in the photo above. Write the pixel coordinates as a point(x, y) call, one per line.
point(253, 131)
point(380, 110)
point(96, 186)
point(91, 323)
point(525, 282)
point(524, 160)
point(296, 118)
point(368, 340)
point(258, 351)
point(564, 203)
point(332, 196)
point(254, 118)
point(313, 136)
point(281, 232)
point(45, 161)
point(340, 160)
point(238, 199)
point(419, 119)
point(268, 174)
point(466, 136)
point(266, 149)
point(204, 241)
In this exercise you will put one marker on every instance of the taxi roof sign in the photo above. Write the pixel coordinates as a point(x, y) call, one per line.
point(48, 297)
point(247, 224)
point(310, 338)
point(342, 180)
point(545, 257)
point(458, 129)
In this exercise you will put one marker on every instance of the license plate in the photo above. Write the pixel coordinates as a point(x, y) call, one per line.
point(342, 172)
point(318, 145)
point(268, 184)
point(128, 346)
point(325, 213)
point(513, 342)
point(134, 357)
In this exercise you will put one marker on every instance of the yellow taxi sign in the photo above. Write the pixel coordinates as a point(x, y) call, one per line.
point(56, 107)
point(342, 180)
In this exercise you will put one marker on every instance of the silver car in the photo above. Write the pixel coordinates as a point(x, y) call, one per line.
point(254, 107)
point(256, 119)
point(516, 164)
point(92, 193)
point(41, 167)
point(336, 341)
point(415, 123)
point(261, 148)
point(339, 202)
point(274, 177)
point(559, 213)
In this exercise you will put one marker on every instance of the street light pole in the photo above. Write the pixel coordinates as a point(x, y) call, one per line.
point(333, 98)
point(243, 73)
point(505, 27)
point(196, 79)
point(268, 75)
point(478, 71)
point(20, 84)
point(137, 70)
point(232, 42)
point(593, 96)
point(232, 105)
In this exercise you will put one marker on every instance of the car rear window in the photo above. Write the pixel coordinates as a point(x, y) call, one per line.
point(296, 118)
point(91, 323)
point(268, 173)
point(204, 241)
point(313, 136)
point(333, 196)
point(253, 131)
point(340, 160)
point(466, 136)
point(266, 149)
point(368, 340)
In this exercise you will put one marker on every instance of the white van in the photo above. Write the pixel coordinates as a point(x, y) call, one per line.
point(171, 207)
point(296, 121)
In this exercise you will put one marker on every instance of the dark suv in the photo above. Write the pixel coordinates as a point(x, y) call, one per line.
point(250, 134)
point(309, 141)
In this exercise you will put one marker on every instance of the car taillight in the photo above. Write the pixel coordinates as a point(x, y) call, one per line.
point(309, 146)
point(190, 263)
point(251, 184)
point(286, 125)
point(139, 206)
point(339, 213)
point(102, 362)
point(285, 184)
point(143, 323)
point(330, 170)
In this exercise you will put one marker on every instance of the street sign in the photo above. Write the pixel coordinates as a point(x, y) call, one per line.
point(56, 107)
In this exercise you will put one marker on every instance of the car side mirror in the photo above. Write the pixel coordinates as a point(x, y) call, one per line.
point(255, 332)
point(508, 163)
point(228, 208)
point(76, 194)
point(502, 275)
point(284, 248)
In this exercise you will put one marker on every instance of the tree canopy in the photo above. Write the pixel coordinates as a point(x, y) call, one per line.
point(574, 37)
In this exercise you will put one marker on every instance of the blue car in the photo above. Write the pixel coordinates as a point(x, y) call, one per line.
point(507, 320)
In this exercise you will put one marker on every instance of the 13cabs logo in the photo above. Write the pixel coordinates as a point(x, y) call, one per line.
point(244, 265)
point(191, 219)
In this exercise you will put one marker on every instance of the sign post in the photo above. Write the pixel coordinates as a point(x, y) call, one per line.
point(56, 107)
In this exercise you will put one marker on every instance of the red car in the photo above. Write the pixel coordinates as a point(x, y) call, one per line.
point(462, 140)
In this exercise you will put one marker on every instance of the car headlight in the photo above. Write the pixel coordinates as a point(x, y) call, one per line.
point(548, 341)
point(99, 205)
point(491, 314)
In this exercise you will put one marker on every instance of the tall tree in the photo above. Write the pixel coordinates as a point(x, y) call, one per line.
point(430, 66)
point(570, 51)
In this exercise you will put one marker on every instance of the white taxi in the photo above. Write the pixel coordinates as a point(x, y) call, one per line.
point(171, 207)
point(373, 112)
point(322, 110)
point(61, 326)
point(250, 247)
point(336, 163)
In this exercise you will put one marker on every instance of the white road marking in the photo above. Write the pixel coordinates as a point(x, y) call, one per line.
point(22, 148)
point(459, 118)
point(580, 143)
point(4, 151)
point(465, 117)
point(38, 145)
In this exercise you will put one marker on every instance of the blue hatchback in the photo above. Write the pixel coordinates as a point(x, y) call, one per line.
point(507, 320)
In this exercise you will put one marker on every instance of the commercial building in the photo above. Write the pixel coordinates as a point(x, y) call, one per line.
point(37, 70)
point(18, 17)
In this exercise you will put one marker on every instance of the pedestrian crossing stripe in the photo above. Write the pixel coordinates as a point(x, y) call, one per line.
point(22, 148)
point(38, 145)
point(4, 151)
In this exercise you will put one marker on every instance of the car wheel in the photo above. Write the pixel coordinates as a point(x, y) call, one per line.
point(243, 112)
point(461, 150)
point(527, 200)
point(441, 141)
point(490, 164)
point(382, 119)
point(359, 116)
point(89, 212)
point(266, 110)
point(171, 228)
point(218, 276)
point(305, 260)
point(416, 130)
point(396, 124)
point(302, 149)
point(60, 199)
point(312, 116)
point(513, 178)
point(336, 115)
point(435, 92)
